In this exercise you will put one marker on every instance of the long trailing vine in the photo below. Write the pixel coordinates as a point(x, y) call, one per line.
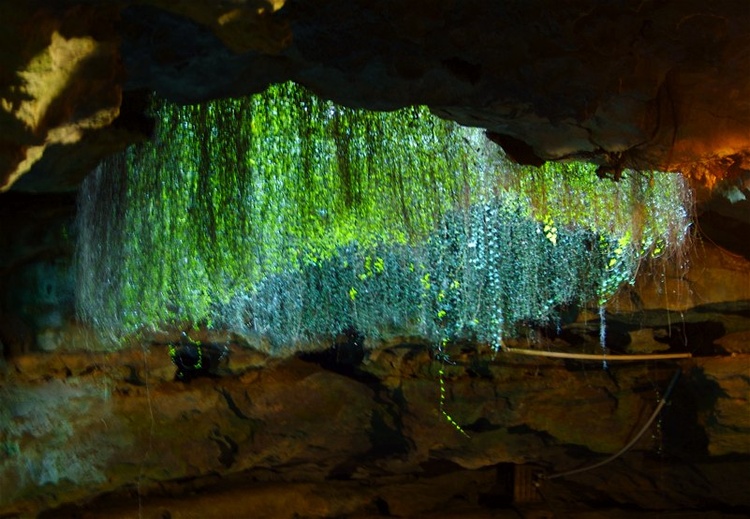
point(257, 214)
point(285, 216)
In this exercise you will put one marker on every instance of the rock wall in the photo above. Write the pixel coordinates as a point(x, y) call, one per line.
point(81, 425)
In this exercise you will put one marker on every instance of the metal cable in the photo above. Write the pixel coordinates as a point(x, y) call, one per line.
point(632, 442)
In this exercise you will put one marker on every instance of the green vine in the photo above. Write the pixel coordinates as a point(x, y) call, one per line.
point(444, 358)
point(285, 216)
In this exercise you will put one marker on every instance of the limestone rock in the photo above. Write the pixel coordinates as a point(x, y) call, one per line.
point(642, 341)
point(707, 274)
point(60, 90)
point(738, 342)
point(728, 424)
point(123, 419)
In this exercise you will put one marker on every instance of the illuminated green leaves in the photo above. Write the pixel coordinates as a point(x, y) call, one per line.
point(550, 231)
point(285, 215)
point(425, 280)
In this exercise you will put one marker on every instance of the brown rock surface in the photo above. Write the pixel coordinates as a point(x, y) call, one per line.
point(80, 425)
point(60, 90)
point(705, 275)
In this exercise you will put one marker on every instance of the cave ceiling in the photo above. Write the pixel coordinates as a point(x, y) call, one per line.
point(644, 85)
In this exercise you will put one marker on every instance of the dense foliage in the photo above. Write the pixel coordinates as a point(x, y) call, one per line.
point(290, 217)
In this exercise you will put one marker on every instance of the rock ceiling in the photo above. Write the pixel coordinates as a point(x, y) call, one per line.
point(648, 85)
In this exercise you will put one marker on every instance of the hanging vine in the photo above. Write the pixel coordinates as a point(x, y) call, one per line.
point(288, 216)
